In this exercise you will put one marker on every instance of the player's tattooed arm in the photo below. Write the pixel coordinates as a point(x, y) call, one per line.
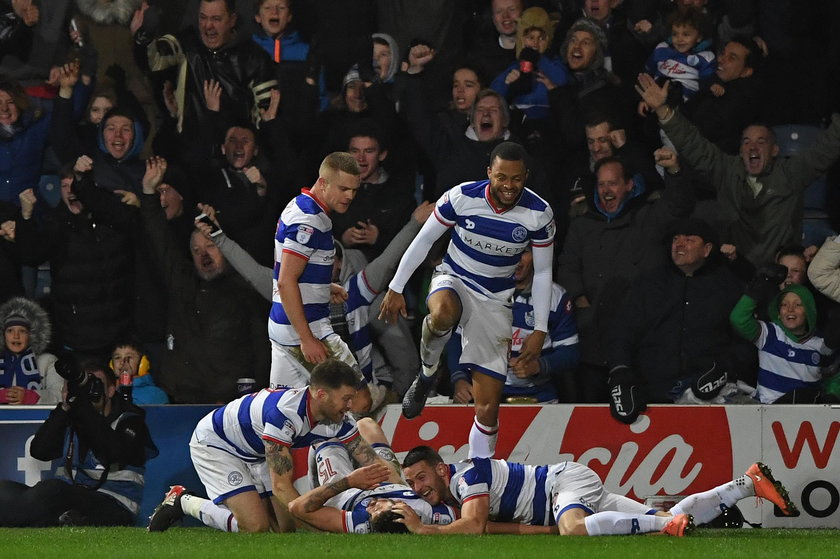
point(362, 452)
point(316, 498)
point(278, 458)
point(281, 469)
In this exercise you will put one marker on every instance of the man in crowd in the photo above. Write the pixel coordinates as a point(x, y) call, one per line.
point(759, 195)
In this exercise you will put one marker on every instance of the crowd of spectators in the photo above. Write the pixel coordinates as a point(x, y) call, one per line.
point(648, 126)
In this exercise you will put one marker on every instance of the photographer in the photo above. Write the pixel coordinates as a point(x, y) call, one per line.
point(104, 442)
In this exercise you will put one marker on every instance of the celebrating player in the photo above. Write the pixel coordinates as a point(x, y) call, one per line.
point(241, 452)
point(526, 499)
point(362, 500)
point(493, 221)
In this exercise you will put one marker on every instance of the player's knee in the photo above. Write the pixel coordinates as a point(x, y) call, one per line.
point(254, 525)
point(444, 313)
point(572, 526)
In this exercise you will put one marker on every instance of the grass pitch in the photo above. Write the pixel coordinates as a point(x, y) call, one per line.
point(203, 543)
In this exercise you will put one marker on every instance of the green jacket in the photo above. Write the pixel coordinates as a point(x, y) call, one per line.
point(758, 225)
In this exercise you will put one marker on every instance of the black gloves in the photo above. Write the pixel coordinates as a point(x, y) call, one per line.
point(626, 402)
point(765, 282)
point(709, 379)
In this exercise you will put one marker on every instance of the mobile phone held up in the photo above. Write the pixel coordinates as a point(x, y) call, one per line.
point(204, 218)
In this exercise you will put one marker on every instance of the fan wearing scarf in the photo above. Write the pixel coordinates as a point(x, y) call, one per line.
point(27, 373)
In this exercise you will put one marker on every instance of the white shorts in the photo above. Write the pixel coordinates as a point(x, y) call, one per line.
point(485, 325)
point(222, 473)
point(576, 486)
point(290, 369)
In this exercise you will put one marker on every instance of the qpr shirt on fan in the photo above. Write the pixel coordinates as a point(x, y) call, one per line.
point(487, 241)
point(517, 492)
point(355, 502)
point(280, 416)
point(360, 295)
point(304, 231)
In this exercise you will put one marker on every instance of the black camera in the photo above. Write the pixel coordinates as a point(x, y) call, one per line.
point(80, 383)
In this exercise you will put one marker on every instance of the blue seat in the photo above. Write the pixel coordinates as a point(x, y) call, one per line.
point(793, 139)
point(49, 189)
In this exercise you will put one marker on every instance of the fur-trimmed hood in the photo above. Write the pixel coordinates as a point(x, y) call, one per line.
point(40, 328)
point(107, 13)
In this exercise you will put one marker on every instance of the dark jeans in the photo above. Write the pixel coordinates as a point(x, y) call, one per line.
point(42, 504)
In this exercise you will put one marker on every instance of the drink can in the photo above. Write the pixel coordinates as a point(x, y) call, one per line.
point(125, 378)
point(245, 385)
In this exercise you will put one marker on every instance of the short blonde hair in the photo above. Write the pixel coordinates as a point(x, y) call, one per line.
point(336, 162)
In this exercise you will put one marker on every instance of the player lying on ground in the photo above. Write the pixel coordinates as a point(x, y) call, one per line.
point(362, 500)
point(566, 498)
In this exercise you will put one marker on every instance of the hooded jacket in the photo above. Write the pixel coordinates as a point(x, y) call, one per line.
point(602, 254)
point(40, 331)
point(786, 361)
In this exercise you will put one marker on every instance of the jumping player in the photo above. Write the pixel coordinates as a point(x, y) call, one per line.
point(492, 223)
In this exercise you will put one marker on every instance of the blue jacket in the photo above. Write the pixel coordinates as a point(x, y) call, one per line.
point(21, 156)
point(534, 103)
point(145, 392)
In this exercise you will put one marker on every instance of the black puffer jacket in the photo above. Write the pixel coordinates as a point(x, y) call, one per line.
point(92, 270)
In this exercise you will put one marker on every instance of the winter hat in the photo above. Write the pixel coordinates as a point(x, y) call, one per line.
point(586, 24)
point(351, 76)
point(16, 320)
point(530, 18)
point(20, 311)
point(692, 226)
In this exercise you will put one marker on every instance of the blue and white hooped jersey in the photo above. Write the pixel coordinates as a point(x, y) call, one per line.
point(282, 416)
point(562, 329)
point(304, 230)
point(357, 519)
point(785, 365)
point(487, 241)
point(357, 311)
point(517, 492)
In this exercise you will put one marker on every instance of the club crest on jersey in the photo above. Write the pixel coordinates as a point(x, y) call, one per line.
point(304, 233)
point(815, 358)
point(529, 319)
point(519, 234)
point(235, 478)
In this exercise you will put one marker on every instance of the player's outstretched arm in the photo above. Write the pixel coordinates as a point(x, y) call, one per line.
point(281, 470)
point(309, 507)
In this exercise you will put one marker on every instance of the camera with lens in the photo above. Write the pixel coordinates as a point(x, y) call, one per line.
point(80, 383)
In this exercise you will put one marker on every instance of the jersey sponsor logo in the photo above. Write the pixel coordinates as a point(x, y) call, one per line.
point(304, 233)
point(235, 478)
point(487, 246)
point(469, 224)
point(519, 234)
